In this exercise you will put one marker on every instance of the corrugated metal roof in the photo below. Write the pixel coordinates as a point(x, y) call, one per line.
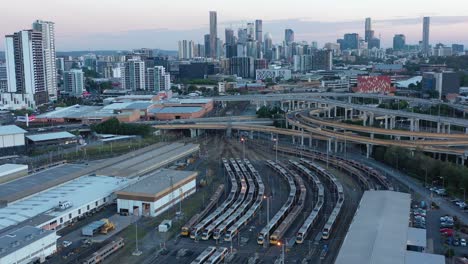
point(6, 169)
point(50, 136)
point(22, 237)
point(176, 110)
point(379, 230)
point(11, 129)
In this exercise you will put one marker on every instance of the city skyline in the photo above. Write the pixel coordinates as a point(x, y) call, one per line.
point(90, 31)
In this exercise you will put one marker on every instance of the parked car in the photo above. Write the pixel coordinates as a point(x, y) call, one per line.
point(456, 242)
point(463, 242)
point(66, 243)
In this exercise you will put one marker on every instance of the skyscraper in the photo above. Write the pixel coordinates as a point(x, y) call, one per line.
point(213, 33)
point(351, 41)
point(369, 33)
point(399, 42)
point(207, 45)
point(250, 31)
point(425, 39)
point(231, 46)
point(259, 30)
point(186, 48)
point(47, 29)
point(288, 36)
point(25, 64)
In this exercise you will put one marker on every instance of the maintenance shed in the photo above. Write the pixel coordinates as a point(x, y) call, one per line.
point(379, 232)
point(11, 136)
point(56, 138)
point(157, 192)
point(9, 172)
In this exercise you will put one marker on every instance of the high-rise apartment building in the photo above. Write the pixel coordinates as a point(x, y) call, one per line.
point(133, 75)
point(425, 40)
point(213, 33)
point(47, 29)
point(3, 79)
point(25, 64)
point(288, 36)
point(73, 82)
point(157, 79)
point(186, 49)
point(399, 42)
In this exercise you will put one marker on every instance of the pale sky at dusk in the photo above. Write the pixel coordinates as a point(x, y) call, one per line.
point(125, 24)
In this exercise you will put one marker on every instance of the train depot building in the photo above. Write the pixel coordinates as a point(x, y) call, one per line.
point(59, 206)
point(380, 233)
point(157, 192)
point(27, 245)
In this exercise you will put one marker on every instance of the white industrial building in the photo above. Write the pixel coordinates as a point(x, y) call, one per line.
point(157, 192)
point(27, 245)
point(77, 198)
point(380, 233)
point(11, 136)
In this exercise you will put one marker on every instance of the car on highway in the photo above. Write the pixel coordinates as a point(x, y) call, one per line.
point(447, 232)
point(463, 242)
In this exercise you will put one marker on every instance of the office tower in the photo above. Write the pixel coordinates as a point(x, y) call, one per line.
point(288, 36)
point(250, 31)
point(186, 49)
point(425, 41)
point(399, 42)
point(268, 42)
point(90, 62)
point(369, 33)
point(25, 64)
point(322, 60)
point(47, 29)
point(259, 30)
point(157, 79)
point(231, 46)
point(458, 48)
point(134, 75)
point(351, 41)
point(199, 51)
point(73, 82)
point(242, 35)
point(242, 67)
point(252, 49)
point(207, 45)
point(3, 79)
point(213, 33)
point(219, 48)
point(373, 43)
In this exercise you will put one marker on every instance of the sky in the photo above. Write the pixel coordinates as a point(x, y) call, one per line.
point(127, 24)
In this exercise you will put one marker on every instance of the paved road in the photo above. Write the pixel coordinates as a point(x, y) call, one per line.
point(415, 186)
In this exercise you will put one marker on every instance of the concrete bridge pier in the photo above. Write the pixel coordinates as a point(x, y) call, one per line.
point(369, 150)
point(330, 145)
point(386, 121)
point(336, 146)
point(334, 112)
point(251, 135)
point(229, 131)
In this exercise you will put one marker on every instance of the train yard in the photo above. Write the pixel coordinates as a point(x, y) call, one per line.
point(297, 207)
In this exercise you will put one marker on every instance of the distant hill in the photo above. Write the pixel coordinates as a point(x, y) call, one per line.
point(111, 52)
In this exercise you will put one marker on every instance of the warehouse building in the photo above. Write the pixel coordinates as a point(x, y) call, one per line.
point(50, 139)
point(157, 192)
point(9, 172)
point(379, 233)
point(59, 206)
point(27, 245)
point(11, 136)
